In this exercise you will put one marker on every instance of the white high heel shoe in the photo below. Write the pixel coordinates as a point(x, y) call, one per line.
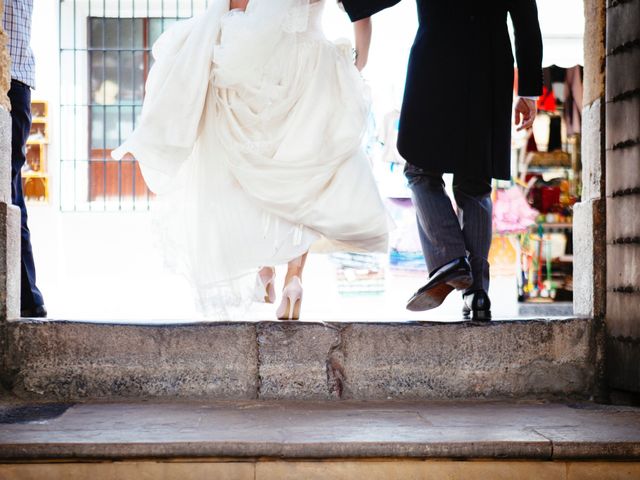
point(291, 301)
point(265, 289)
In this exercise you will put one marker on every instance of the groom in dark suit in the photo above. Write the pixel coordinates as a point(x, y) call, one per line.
point(456, 118)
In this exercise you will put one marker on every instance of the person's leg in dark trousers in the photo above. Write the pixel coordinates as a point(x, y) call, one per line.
point(473, 196)
point(442, 240)
point(32, 302)
point(475, 212)
point(440, 233)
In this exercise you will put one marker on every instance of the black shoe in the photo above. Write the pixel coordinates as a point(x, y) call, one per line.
point(35, 312)
point(477, 306)
point(455, 275)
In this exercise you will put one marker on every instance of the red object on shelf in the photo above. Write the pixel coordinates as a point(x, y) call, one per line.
point(545, 198)
point(547, 101)
point(549, 197)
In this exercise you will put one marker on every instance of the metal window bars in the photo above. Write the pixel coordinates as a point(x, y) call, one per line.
point(105, 57)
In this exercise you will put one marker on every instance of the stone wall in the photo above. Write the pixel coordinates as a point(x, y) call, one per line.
point(74, 361)
point(5, 68)
point(590, 214)
point(590, 220)
point(9, 215)
point(623, 193)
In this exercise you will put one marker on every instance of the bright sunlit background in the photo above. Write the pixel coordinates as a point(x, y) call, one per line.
point(104, 266)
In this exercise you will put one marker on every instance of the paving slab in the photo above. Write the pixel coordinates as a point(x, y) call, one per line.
point(319, 430)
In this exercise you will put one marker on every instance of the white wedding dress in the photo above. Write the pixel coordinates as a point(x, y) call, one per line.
point(251, 137)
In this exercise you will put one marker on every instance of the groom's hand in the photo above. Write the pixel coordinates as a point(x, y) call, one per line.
point(526, 111)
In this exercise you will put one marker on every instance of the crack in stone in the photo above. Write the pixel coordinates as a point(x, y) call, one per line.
point(258, 363)
point(616, 3)
point(627, 339)
point(627, 240)
point(626, 289)
point(424, 419)
point(625, 95)
point(546, 437)
point(334, 365)
point(625, 47)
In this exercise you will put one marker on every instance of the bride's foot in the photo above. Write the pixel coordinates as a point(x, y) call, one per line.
point(291, 301)
point(265, 285)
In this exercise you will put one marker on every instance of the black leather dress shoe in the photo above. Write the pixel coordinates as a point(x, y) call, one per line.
point(477, 306)
point(455, 275)
point(36, 312)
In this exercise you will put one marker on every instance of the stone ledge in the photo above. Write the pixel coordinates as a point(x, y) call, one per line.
point(5, 146)
point(590, 259)
point(10, 218)
point(324, 430)
point(338, 469)
point(69, 361)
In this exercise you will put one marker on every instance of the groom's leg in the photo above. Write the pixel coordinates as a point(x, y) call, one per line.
point(440, 232)
point(473, 197)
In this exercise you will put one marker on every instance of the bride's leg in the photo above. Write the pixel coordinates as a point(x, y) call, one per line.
point(295, 268)
point(267, 273)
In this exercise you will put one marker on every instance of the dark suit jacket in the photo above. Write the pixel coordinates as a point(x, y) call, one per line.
point(456, 114)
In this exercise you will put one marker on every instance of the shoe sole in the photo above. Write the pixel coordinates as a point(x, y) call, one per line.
point(462, 282)
point(436, 295)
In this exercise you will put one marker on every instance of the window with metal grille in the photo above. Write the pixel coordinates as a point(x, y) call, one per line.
point(105, 57)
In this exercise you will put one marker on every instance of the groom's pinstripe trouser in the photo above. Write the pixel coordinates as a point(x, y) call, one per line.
point(446, 235)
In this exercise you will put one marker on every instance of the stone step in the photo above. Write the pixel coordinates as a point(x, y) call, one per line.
point(319, 440)
point(226, 469)
point(71, 361)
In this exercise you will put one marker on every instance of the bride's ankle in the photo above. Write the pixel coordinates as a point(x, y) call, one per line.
point(290, 276)
point(267, 273)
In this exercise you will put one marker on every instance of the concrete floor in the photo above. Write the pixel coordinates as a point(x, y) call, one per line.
point(320, 430)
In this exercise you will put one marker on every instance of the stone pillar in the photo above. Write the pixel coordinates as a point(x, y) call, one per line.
point(623, 194)
point(590, 213)
point(9, 215)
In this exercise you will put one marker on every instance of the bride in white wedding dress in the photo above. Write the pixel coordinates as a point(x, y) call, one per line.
point(251, 137)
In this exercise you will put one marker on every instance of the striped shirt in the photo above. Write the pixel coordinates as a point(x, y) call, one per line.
point(17, 23)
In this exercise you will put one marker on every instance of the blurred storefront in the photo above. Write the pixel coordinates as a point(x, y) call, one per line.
point(547, 165)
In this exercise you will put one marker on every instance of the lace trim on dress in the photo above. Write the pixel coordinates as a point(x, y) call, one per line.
point(297, 19)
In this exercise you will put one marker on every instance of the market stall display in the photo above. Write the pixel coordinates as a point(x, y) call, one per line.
point(549, 171)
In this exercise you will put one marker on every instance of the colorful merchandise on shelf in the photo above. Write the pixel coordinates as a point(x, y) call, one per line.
point(503, 255)
point(359, 274)
point(405, 257)
point(545, 267)
point(511, 211)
